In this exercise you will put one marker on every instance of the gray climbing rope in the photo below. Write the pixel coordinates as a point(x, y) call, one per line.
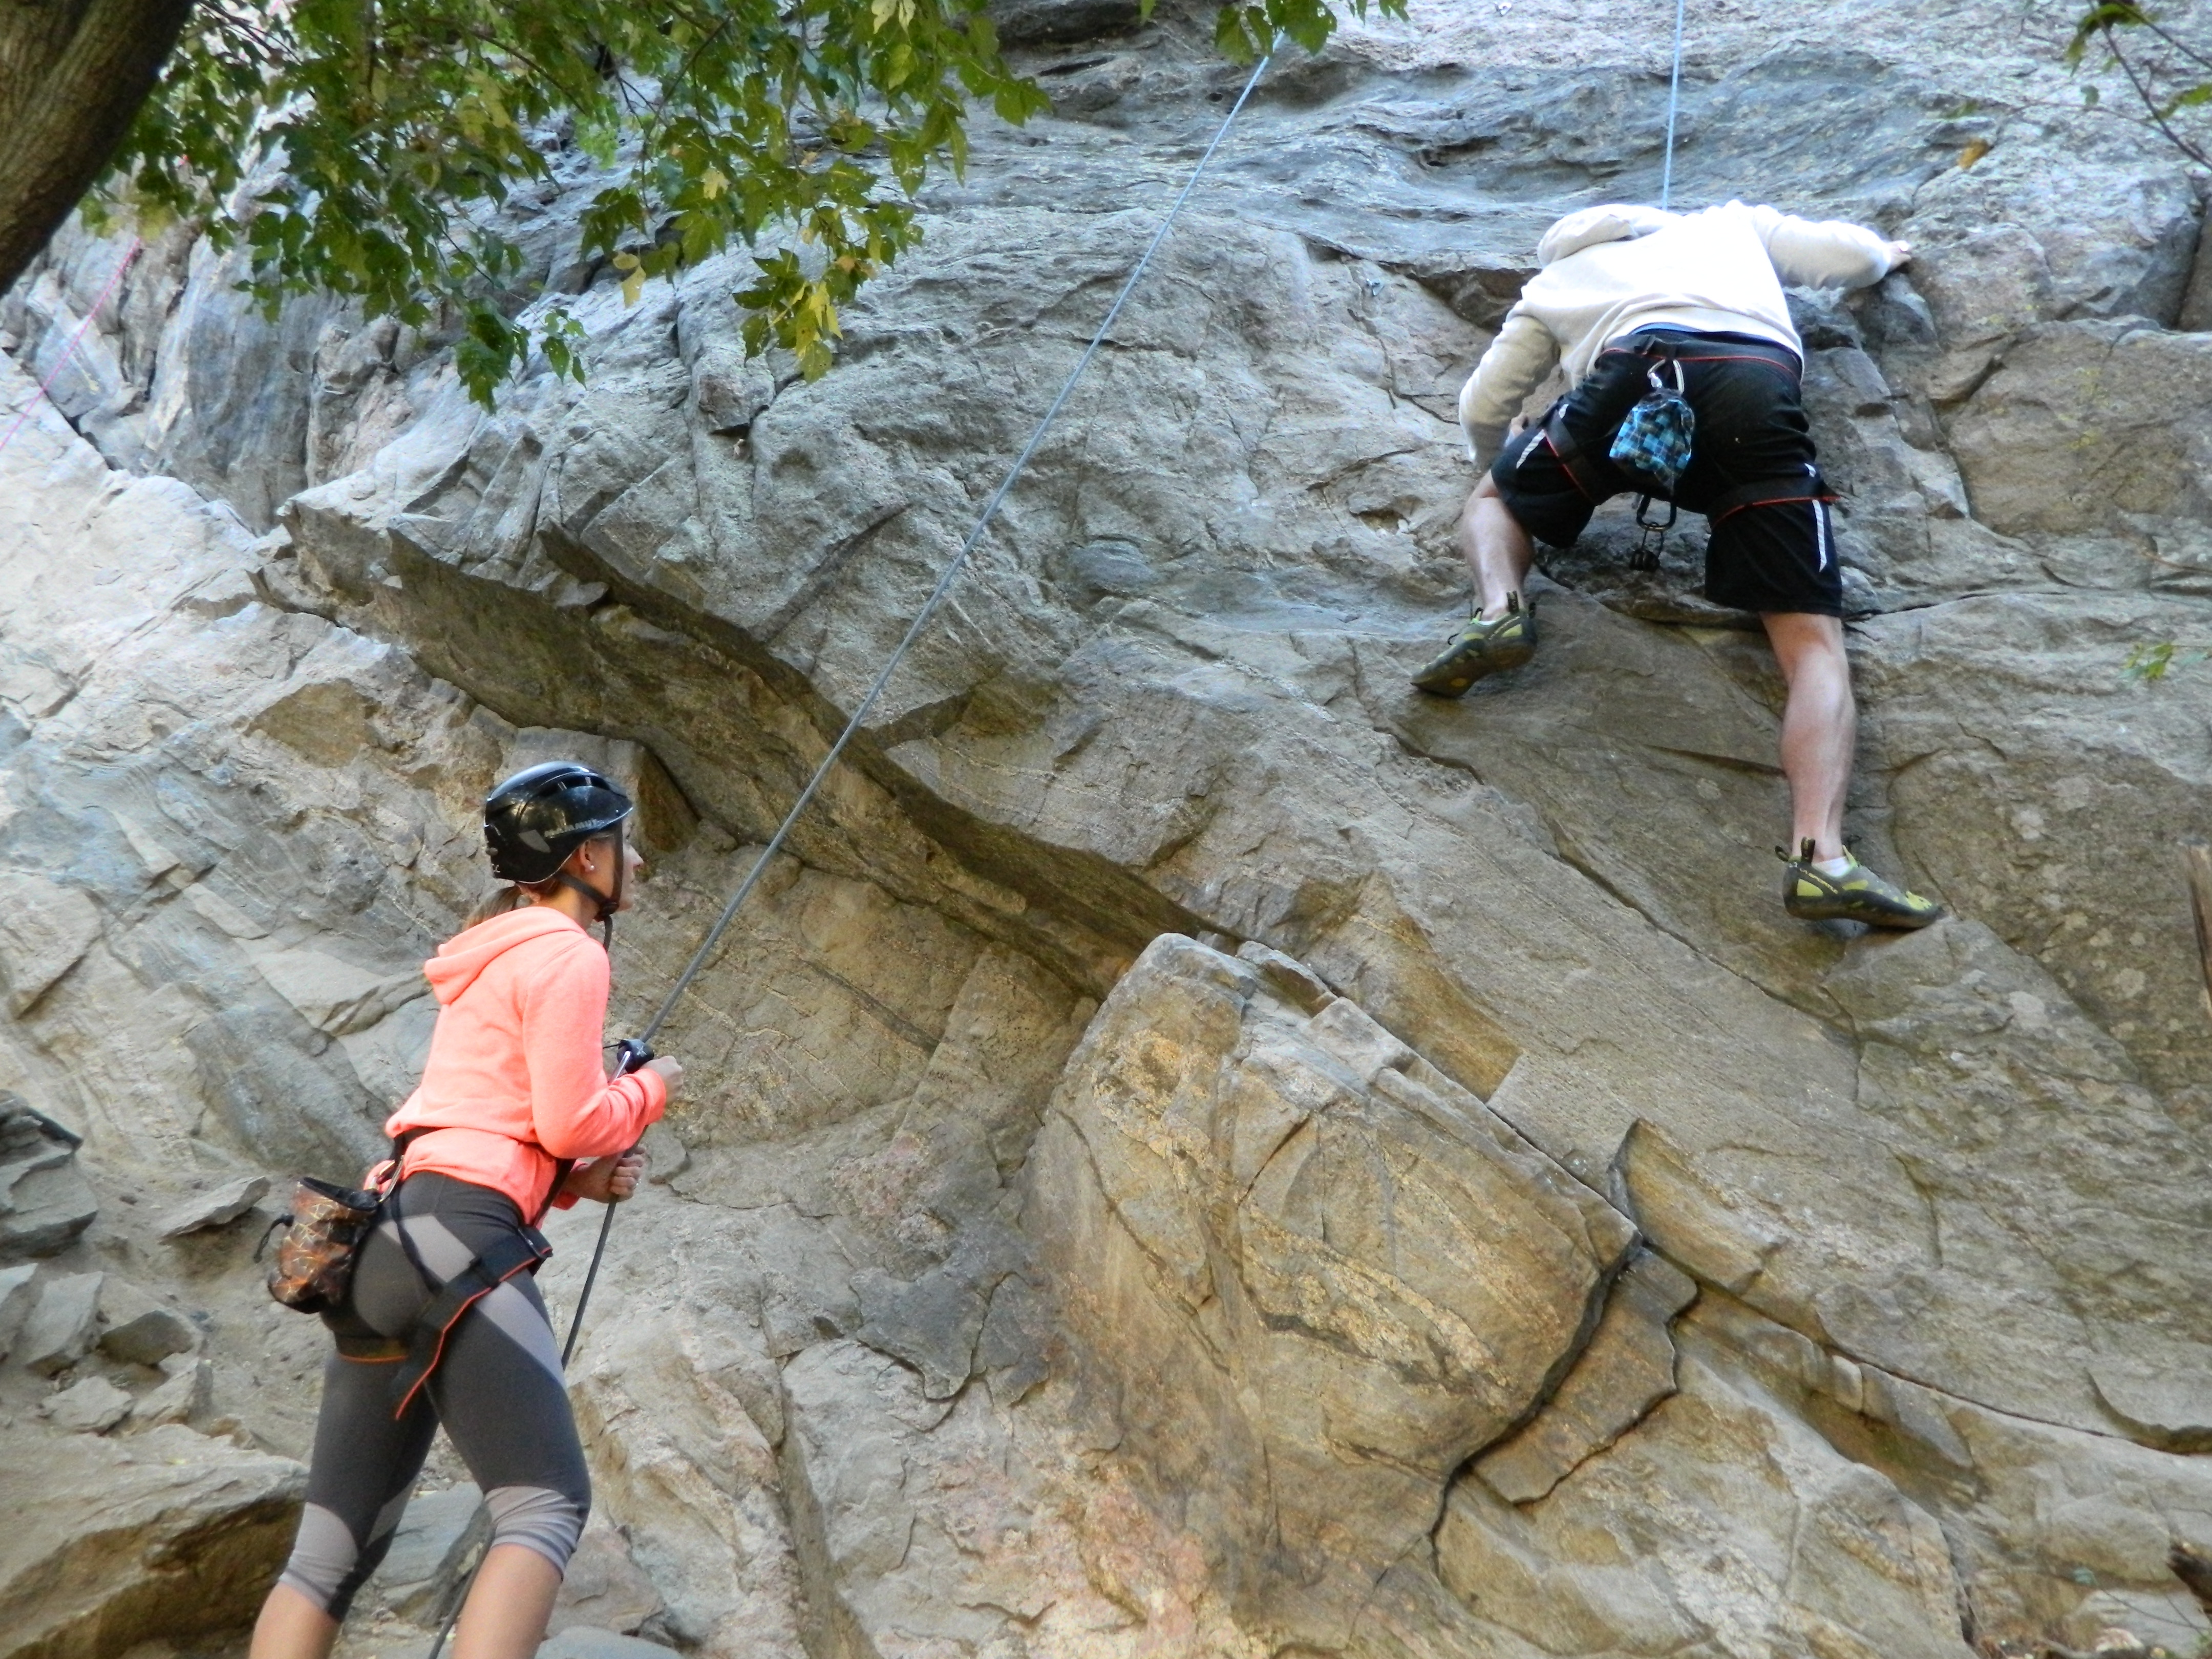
point(1673, 106)
point(860, 710)
point(944, 582)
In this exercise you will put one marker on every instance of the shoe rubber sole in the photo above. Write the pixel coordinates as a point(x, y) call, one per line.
point(1875, 909)
point(1872, 915)
point(1469, 661)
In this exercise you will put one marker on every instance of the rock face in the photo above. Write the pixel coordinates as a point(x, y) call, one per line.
point(217, 1207)
point(1313, 1274)
point(44, 1201)
point(1628, 1368)
point(163, 1536)
point(1195, 1148)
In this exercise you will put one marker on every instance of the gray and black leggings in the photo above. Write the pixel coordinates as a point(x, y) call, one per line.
point(498, 1390)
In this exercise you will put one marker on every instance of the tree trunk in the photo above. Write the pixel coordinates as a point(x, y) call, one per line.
point(72, 74)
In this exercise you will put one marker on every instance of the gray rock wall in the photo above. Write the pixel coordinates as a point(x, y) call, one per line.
point(1505, 1233)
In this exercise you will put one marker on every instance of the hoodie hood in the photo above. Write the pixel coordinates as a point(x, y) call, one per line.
point(1588, 227)
point(461, 958)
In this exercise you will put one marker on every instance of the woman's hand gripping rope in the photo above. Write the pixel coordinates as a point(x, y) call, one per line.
point(611, 1179)
point(608, 1179)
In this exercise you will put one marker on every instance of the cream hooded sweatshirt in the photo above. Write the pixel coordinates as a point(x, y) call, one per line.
point(1607, 272)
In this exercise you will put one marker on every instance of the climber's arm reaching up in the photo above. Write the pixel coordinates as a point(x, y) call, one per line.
point(1826, 252)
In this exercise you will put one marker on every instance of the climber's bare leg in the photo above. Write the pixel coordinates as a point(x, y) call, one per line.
point(1497, 551)
point(1820, 725)
point(292, 1627)
point(508, 1605)
point(505, 1618)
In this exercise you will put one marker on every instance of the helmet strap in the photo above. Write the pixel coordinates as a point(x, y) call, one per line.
point(614, 902)
point(604, 904)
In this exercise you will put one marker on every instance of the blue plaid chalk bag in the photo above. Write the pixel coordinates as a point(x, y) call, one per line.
point(1652, 444)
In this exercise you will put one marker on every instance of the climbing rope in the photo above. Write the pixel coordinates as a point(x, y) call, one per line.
point(943, 582)
point(1673, 106)
point(70, 350)
point(633, 1053)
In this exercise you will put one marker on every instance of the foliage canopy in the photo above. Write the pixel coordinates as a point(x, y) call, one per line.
point(366, 147)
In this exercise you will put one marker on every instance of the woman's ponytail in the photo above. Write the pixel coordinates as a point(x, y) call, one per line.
point(513, 896)
point(497, 902)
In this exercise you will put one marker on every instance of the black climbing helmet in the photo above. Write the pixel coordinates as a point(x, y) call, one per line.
point(534, 820)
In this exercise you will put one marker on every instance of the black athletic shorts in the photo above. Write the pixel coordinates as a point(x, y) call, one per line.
point(1764, 554)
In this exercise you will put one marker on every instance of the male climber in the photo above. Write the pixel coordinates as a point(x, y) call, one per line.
point(1635, 301)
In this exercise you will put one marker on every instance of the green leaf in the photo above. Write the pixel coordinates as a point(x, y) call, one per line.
point(390, 151)
point(1231, 38)
point(2150, 663)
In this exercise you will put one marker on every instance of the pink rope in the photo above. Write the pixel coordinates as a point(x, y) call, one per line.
point(70, 350)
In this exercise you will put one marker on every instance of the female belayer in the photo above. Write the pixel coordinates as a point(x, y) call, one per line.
point(443, 1322)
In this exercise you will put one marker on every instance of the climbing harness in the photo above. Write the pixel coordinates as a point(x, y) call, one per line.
point(1812, 489)
point(523, 1250)
point(635, 1052)
point(1651, 446)
point(70, 350)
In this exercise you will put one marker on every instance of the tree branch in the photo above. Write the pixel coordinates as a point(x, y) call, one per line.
point(2149, 104)
point(2178, 44)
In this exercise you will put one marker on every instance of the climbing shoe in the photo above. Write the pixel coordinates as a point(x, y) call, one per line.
point(1482, 648)
point(1858, 895)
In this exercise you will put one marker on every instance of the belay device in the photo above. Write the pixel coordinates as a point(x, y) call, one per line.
point(1652, 446)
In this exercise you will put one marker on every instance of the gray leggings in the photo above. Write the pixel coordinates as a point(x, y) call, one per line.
point(498, 1390)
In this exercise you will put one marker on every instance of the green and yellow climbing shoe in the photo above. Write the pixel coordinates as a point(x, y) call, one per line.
point(1482, 648)
point(1858, 895)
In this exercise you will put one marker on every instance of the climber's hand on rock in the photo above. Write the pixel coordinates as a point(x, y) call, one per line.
point(671, 1070)
point(608, 1179)
point(1901, 255)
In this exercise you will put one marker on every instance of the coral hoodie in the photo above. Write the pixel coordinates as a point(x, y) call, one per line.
point(514, 1079)
point(1607, 271)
